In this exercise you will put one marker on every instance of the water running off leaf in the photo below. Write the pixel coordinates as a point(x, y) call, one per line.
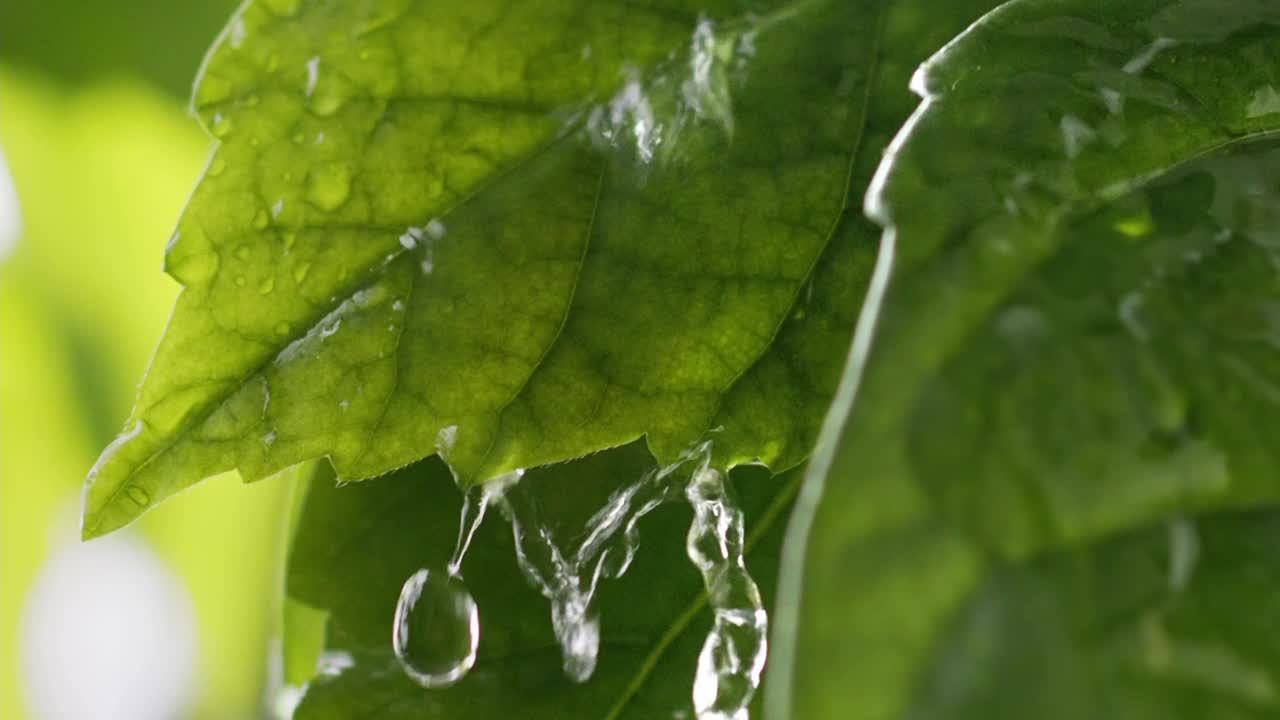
point(436, 630)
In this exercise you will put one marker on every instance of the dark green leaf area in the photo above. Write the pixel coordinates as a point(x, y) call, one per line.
point(1147, 625)
point(1074, 337)
point(1137, 369)
point(512, 234)
point(356, 544)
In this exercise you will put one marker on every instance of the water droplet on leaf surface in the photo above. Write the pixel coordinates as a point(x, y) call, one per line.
point(221, 126)
point(329, 186)
point(139, 496)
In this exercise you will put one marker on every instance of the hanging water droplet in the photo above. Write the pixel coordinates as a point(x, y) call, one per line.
point(267, 285)
point(300, 272)
point(437, 629)
point(217, 166)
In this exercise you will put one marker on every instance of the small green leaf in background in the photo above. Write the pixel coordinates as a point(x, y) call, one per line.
point(356, 544)
point(1048, 495)
point(537, 230)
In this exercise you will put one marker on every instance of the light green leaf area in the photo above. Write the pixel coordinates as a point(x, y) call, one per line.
point(1041, 487)
point(356, 544)
point(513, 233)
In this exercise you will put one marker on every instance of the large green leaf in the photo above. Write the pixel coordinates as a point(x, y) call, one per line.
point(1070, 343)
point(356, 545)
point(649, 678)
point(517, 232)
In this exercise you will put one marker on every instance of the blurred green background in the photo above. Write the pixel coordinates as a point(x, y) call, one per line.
point(174, 617)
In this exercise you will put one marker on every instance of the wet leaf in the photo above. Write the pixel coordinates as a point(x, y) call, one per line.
point(1063, 391)
point(357, 544)
point(516, 233)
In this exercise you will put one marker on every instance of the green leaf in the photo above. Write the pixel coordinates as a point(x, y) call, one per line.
point(356, 544)
point(519, 233)
point(1070, 340)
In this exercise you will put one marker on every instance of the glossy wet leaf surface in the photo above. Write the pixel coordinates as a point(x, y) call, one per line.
point(514, 233)
point(1068, 395)
point(903, 38)
point(356, 545)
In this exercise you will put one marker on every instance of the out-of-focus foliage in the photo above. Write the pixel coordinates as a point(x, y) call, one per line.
point(83, 41)
point(101, 174)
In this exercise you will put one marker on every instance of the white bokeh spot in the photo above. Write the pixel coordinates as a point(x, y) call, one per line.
point(108, 632)
point(10, 217)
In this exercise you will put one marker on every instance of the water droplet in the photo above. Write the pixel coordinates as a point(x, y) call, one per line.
point(371, 296)
point(242, 252)
point(409, 240)
point(333, 663)
point(237, 34)
point(260, 220)
point(222, 126)
point(329, 186)
point(437, 629)
point(217, 166)
point(267, 285)
point(277, 208)
point(269, 439)
point(241, 281)
point(330, 327)
point(138, 495)
point(301, 271)
point(327, 101)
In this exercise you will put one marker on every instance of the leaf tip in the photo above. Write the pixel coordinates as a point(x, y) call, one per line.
point(110, 498)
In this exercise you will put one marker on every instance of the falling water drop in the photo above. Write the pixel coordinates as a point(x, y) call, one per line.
point(733, 655)
point(437, 629)
point(567, 569)
point(437, 623)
